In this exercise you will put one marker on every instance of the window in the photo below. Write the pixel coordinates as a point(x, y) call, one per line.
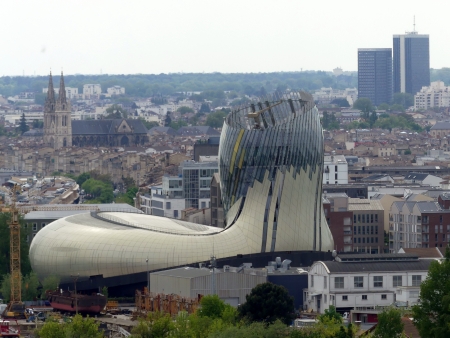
point(416, 280)
point(384, 297)
point(43, 225)
point(376, 218)
point(168, 205)
point(34, 226)
point(396, 281)
point(175, 214)
point(377, 281)
point(358, 282)
point(203, 205)
point(344, 298)
point(325, 282)
point(324, 298)
point(364, 297)
point(338, 282)
point(312, 281)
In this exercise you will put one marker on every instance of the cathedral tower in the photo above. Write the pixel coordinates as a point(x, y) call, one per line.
point(57, 119)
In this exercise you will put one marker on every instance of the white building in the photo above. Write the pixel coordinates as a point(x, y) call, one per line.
point(435, 95)
point(364, 281)
point(335, 169)
point(71, 92)
point(91, 91)
point(116, 90)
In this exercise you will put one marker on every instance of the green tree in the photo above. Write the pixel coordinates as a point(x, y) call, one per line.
point(79, 328)
point(390, 324)
point(406, 100)
point(204, 108)
point(23, 127)
point(331, 313)
point(30, 284)
point(149, 124)
point(38, 124)
point(373, 118)
point(432, 314)
point(50, 283)
point(185, 110)
point(340, 102)
point(211, 306)
point(167, 120)
point(105, 291)
point(5, 287)
point(116, 112)
point(397, 108)
point(82, 178)
point(383, 106)
point(156, 324)
point(268, 302)
point(178, 124)
point(364, 104)
point(215, 120)
point(52, 329)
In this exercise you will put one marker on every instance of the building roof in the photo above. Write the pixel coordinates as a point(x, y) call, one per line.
point(355, 204)
point(375, 177)
point(416, 176)
point(422, 252)
point(105, 127)
point(162, 130)
point(441, 125)
point(197, 131)
point(376, 257)
point(425, 206)
point(365, 266)
point(186, 272)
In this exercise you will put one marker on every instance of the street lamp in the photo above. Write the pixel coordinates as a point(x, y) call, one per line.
point(148, 277)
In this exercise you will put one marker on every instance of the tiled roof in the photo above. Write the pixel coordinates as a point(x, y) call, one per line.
point(376, 266)
point(441, 125)
point(102, 127)
point(423, 252)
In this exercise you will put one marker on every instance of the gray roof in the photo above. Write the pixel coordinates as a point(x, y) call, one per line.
point(34, 133)
point(376, 257)
point(162, 130)
point(186, 272)
point(428, 206)
point(441, 125)
point(416, 176)
point(102, 127)
point(375, 177)
point(376, 266)
point(197, 131)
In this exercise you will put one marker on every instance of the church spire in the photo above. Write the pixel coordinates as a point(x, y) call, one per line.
point(51, 90)
point(62, 90)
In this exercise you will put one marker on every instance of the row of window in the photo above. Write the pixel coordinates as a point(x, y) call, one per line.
point(358, 281)
point(365, 218)
point(34, 225)
point(363, 229)
point(364, 297)
point(365, 240)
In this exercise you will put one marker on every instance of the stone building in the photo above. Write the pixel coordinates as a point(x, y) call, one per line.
point(60, 131)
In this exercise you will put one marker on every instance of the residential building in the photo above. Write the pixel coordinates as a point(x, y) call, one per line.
point(92, 91)
point(419, 224)
point(71, 92)
point(335, 169)
point(364, 281)
point(411, 62)
point(423, 179)
point(384, 150)
point(435, 95)
point(340, 220)
point(368, 225)
point(116, 90)
point(375, 74)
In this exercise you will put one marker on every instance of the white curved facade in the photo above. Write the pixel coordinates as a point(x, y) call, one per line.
point(273, 205)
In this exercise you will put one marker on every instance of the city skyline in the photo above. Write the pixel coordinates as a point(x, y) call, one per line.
point(173, 37)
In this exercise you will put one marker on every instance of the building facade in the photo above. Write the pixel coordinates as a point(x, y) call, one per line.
point(270, 166)
point(364, 281)
point(92, 91)
point(435, 95)
point(411, 62)
point(335, 169)
point(375, 74)
point(57, 118)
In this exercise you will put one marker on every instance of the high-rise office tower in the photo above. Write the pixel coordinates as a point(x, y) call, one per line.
point(375, 74)
point(411, 62)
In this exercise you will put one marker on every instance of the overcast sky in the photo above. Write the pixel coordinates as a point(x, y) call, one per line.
point(164, 36)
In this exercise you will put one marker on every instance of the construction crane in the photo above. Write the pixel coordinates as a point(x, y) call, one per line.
point(15, 308)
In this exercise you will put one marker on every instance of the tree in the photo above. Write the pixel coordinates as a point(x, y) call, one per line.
point(364, 104)
point(30, 284)
point(167, 120)
point(82, 178)
point(331, 313)
point(329, 121)
point(204, 108)
point(373, 118)
point(268, 302)
point(406, 100)
point(79, 328)
point(149, 124)
point(432, 314)
point(390, 324)
point(116, 112)
point(211, 306)
point(23, 127)
point(341, 103)
point(49, 283)
point(185, 110)
point(215, 120)
point(177, 124)
point(383, 106)
point(38, 124)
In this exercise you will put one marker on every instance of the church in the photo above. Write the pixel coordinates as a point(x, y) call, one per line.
point(60, 131)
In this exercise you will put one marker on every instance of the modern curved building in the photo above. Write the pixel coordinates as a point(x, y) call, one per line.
point(270, 164)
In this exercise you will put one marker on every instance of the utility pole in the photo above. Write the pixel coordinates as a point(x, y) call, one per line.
point(75, 278)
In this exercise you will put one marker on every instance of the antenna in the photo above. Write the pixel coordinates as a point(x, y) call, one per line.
point(414, 24)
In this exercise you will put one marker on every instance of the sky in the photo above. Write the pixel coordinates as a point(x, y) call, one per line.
point(168, 36)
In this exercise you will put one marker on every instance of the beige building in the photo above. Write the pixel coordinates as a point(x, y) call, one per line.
point(440, 129)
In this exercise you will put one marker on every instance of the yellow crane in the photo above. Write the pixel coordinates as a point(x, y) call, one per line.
point(15, 308)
